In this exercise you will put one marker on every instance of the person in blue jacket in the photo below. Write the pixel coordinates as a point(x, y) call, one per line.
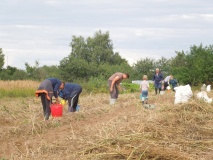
point(46, 90)
point(173, 82)
point(71, 93)
point(158, 79)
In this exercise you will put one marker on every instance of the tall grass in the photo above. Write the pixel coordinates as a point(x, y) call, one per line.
point(18, 88)
point(27, 88)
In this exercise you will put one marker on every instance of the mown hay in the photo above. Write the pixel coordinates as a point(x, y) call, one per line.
point(125, 130)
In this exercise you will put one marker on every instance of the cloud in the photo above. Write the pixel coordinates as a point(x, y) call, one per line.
point(42, 29)
point(45, 57)
point(135, 55)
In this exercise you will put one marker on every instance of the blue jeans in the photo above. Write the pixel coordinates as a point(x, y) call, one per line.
point(144, 95)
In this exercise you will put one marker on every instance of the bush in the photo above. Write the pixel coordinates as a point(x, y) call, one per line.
point(130, 87)
point(95, 85)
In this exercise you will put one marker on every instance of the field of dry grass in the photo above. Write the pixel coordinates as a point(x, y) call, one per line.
point(18, 84)
point(99, 131)
point(19, 88)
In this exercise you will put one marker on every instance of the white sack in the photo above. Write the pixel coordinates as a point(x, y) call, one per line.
point(208, 88)
point(203, 95)
point(203, 88)
point(182, 94)
point(168, 87)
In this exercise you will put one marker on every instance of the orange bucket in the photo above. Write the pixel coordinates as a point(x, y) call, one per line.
point(56, 110)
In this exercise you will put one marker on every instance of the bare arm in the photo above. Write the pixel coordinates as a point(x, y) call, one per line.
point(119, 86)
point(113, 83)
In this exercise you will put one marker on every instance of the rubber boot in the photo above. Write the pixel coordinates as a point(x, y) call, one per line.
point(77, 108)
point(112, 101)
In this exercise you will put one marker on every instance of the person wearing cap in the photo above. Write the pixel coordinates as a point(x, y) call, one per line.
point(46, 90)
point(114, 84)
point(71, 93)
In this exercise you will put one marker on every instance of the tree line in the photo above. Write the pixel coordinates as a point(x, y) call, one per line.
point(93, 57)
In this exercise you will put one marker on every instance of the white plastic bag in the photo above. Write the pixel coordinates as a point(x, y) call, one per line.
point(208, 88)
point(203, 95)
point(203, 88)
point(168, 87)
point(182, 94)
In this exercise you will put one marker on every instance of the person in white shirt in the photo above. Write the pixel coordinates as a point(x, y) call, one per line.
point(166, 81)
point(144, 89)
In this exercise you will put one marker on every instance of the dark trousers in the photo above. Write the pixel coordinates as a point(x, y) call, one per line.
point(115, 92)
point(165, 85)
point(73, 102)
point(157, 87)
point(156, 90)
point(46, 105)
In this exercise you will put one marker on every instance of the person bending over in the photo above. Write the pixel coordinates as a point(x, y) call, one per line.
point(114, 85)
point(46, 90)
point(71, 93)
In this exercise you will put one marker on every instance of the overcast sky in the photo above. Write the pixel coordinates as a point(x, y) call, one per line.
point(42, 30)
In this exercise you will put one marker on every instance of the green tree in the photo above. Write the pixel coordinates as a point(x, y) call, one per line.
point(164, 65)
point(1, 59)
point(98, 49)
point(32, 71)
point(49, 71)
point(88, 57)
point(72, 69)
point(194, 66)
point(144, 67)
point(39, 73)
point(7, 74)
point(199, 61)
point(179, 68)
point(12, 73)
point(79, 49)
point(106, 70)
point(179, 60)
point(19, 75)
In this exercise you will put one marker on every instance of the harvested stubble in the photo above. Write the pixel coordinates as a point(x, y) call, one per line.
point(99, 131)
